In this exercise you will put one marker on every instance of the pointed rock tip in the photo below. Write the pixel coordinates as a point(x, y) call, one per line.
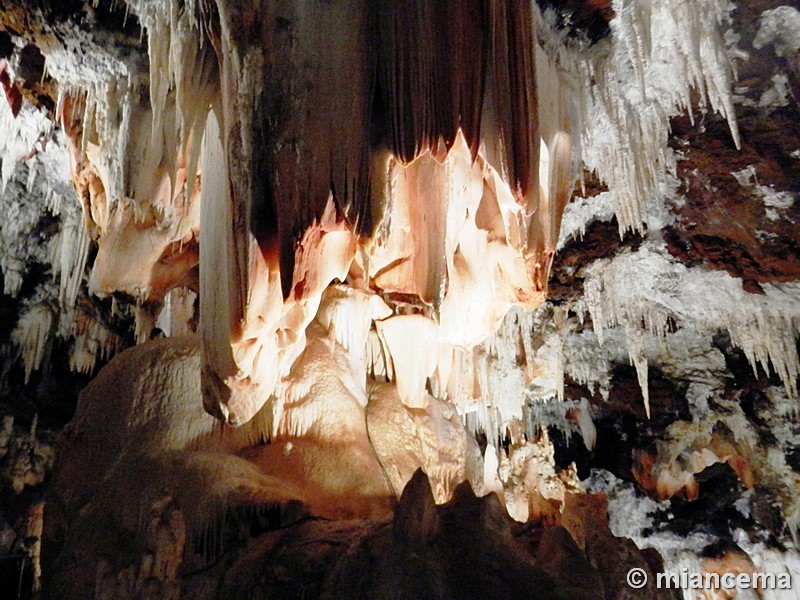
point(416, 518)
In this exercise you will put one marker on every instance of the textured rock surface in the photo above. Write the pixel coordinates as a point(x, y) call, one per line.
point(373, 292)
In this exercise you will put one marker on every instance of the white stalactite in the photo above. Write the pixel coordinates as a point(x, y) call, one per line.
point(641, 291)
point(73, 251)
point(32, 335)
point(633, 82)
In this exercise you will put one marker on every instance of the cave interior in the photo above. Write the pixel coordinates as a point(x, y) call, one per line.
point(379, 299)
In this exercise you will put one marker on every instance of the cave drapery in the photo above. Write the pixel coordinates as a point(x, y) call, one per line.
point(544, 252)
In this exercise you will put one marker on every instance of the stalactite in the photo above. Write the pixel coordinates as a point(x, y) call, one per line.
point(105, 128)
point(73, 251)
point(93, 342)
point(21, 217)
point(177, 314)
point(425, 189)
point(32, 335)
point(432, 84)
point(21, 133)
point(672, 41)
point(348, 314)
point(643, 290)
point(412, 343)
point(220, 304)
point(587, 362)
point(315, 115)
point(144, 322)
point(558, 118)
point(250, 346)
point(514, 96)
point(635, 345)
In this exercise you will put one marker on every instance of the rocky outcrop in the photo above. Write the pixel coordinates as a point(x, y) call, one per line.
point(466, 548)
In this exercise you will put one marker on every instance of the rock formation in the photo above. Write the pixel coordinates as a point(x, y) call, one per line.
point(378, 299)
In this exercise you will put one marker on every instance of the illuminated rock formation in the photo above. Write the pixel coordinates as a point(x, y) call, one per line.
point(534, 249)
